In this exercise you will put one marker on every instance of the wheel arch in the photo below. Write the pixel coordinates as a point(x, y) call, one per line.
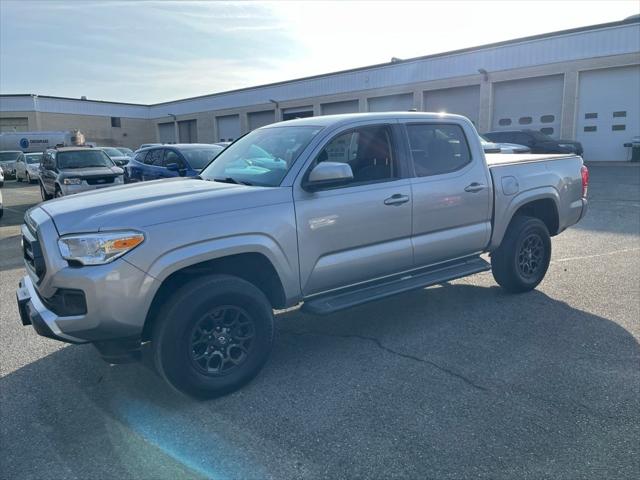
point(540, 203)
point(253, 267)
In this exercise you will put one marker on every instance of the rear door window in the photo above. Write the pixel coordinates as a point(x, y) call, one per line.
point(154, 157)
point(140, 156)
point(437, 149)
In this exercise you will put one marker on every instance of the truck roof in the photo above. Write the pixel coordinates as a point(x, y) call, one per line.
point(332, 120)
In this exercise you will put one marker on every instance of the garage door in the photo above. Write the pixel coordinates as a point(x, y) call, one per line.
point(462, 101)
point(335, 108)
point(14, 124)
point(608, 112)
point(533, 103)
point(392, 103)
point(167, 132)
point(260, 119)
point(228, 127)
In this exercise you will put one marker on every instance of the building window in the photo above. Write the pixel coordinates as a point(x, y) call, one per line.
point(525, 120)
point(504, 122)
point(547, 130)
point(619, 114)
point(618, 127)
point(590, 115)
point(547, 118)
point(115, 122)
point(590, 128)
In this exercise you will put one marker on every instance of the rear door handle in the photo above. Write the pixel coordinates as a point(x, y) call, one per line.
point(396, 199)
point(475, 187)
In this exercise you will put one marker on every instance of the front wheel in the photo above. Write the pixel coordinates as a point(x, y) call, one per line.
point(522, 260)
point(43, 193)
point(213, 336)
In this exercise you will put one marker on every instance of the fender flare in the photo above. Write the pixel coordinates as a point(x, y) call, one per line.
point(517, 202)
point(194, 253)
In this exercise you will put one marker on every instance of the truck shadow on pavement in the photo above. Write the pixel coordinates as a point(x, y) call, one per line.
point(449, 382)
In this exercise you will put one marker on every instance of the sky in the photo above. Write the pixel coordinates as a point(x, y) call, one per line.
point(154, 51)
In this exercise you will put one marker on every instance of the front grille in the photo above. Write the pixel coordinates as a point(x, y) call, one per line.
point(32, 252)
point(99, 180)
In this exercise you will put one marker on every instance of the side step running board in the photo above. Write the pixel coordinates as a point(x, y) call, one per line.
point(331, 303)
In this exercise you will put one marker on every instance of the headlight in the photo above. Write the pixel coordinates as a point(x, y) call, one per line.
point(72, 181)
point(98, 248)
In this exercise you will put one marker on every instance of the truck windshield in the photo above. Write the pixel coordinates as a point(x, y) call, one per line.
point(262, 157)
point(83, 159)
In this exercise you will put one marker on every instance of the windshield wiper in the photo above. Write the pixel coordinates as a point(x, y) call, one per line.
point(231, 180)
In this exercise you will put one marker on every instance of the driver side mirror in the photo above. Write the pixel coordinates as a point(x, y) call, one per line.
point(328, 174)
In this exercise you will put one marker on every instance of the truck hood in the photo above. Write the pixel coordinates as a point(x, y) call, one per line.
point(138, 205)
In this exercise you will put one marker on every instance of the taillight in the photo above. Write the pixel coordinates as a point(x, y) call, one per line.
point(584, 171)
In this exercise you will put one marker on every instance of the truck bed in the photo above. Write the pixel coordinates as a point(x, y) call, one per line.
point(500, 159)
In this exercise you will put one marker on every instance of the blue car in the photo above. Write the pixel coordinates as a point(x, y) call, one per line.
point(167, 161)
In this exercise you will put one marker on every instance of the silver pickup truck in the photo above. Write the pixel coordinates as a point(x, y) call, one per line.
point(330, 212)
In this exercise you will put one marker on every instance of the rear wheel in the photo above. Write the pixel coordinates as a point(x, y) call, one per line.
point(213, 335)
point(58, 192)
point(522, 260)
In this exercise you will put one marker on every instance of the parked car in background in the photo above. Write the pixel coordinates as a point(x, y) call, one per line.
point(329, 211)
point(68, 170)
point(119, 158)
point(537, 141)
point(1, 177)
point(127, 151)
point(493, 147)
point(8, 160)
point(166, 161)
point(28, 167)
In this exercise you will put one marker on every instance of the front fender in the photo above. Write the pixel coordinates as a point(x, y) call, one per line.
point(191, 254)
point(507, 206)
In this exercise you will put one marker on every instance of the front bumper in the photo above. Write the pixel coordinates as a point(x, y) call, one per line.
point(34, 312)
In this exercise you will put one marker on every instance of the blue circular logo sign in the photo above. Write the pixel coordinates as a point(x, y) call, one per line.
point(24, 143)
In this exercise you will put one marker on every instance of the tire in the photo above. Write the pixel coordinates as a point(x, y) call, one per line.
point(18, 179)
point(43, 193)
point(522, 260)
point(58, 193)
point(192, 350)
point(28, 179)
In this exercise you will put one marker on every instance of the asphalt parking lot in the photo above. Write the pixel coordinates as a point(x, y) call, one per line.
point(455, 381)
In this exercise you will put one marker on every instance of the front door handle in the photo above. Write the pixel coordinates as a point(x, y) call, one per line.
point(396, 199)
point(475, 187)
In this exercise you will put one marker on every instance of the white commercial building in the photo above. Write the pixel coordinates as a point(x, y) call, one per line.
point(581, 84)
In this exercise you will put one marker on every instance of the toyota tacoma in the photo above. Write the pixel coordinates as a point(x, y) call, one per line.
point(328, 212)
